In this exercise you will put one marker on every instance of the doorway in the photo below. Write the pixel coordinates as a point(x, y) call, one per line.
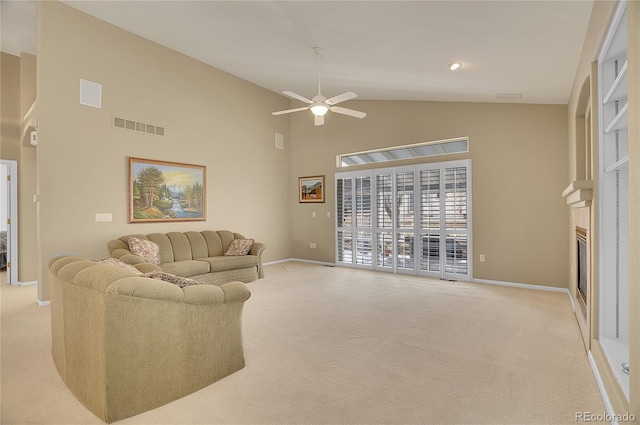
point(9, 220)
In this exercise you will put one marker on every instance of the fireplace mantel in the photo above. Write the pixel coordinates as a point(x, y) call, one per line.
point(579, 193)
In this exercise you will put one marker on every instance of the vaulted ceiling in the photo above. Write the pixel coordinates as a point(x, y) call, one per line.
point(510, 51)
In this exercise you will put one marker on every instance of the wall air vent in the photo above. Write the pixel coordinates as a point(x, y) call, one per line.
point(141, 127)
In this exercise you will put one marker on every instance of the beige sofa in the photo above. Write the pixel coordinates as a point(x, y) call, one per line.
point(124, 344)
point(196, 255)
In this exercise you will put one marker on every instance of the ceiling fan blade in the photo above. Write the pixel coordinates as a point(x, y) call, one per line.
point(350, 112)
point(341, 98)
point(288, 111)
point(319, 120)
point(297, 96)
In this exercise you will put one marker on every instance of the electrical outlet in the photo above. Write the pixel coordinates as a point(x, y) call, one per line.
point(313, 214)
point(482, 258)
point(312, 245)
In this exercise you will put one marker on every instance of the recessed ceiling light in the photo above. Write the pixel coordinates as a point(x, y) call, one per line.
point(455, 65)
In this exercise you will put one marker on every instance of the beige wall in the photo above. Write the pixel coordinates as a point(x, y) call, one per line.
point(210, 117)
point(18, 94)
point(10, 106)
point(28, 242)
point(519, 159)
point(598, 26)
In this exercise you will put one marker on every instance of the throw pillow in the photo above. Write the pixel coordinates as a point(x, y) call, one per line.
point(119, 263)
point(171, 278)
point(240, 247)
point(146, 249)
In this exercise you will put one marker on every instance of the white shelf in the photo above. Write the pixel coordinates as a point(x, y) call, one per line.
point(619, 122)
point(617, 165)
point(618, 89)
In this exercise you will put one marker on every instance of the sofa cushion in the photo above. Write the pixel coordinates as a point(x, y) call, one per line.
point(198, 244)
point(146, 249)
point(180, 246)
point(118, 263)
point(226, 237)
point(171, 278)
point(239, 247)
point(231, 262)
point(186, 268)
point(214, 243)
point(166, 249)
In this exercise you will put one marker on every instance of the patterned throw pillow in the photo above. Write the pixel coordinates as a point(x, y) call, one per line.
point(119, 263)
point(171, 278)
point(146, 249)
point(240, 247)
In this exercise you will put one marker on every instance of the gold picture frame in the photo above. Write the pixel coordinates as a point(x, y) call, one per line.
point(311, 189)
point(162, 191)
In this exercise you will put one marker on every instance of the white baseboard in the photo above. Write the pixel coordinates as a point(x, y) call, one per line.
point(603, 390)
point(322, 263)
point(29, 283)
point(528, 286)
point(520, 285)
point(43, 303)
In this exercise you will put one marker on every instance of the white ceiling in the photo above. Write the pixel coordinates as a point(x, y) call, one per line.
point(384, 50)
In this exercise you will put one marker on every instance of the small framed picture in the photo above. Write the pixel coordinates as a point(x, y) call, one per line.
point(311, 189)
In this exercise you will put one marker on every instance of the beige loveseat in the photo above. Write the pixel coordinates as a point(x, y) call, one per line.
point(196, 255)
point(124, 344)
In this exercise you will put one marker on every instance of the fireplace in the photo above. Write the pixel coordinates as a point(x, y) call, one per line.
point(578, 196)
point(582, 287)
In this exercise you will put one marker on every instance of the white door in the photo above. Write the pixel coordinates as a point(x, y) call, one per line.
point(9, 217)
point(354, 221)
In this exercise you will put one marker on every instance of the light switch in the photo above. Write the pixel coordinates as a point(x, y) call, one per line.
point(104, 217)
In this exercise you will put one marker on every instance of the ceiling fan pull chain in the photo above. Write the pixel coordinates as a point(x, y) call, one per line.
point(318, 51)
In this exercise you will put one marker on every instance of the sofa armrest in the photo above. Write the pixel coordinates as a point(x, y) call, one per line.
point(257, 250)
point(154, 289)
point(119, 249)
point(235, 292)
point(147, 267)
point(127, 257)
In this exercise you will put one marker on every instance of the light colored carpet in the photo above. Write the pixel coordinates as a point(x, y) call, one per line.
point(344, 346)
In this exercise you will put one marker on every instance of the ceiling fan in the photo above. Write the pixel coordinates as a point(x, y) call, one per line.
point(320, 105)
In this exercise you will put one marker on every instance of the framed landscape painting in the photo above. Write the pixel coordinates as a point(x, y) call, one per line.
point(166, 191)
point(311, 189)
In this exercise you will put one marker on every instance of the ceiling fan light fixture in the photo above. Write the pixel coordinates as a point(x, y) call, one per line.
point(319, 109)
point(453, 66)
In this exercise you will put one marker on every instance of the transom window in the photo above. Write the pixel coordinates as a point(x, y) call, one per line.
point(417, 150)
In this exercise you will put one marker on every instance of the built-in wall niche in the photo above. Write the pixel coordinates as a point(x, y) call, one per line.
point(613, 200)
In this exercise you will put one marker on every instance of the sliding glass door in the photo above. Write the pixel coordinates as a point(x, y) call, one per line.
point(412, 219)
